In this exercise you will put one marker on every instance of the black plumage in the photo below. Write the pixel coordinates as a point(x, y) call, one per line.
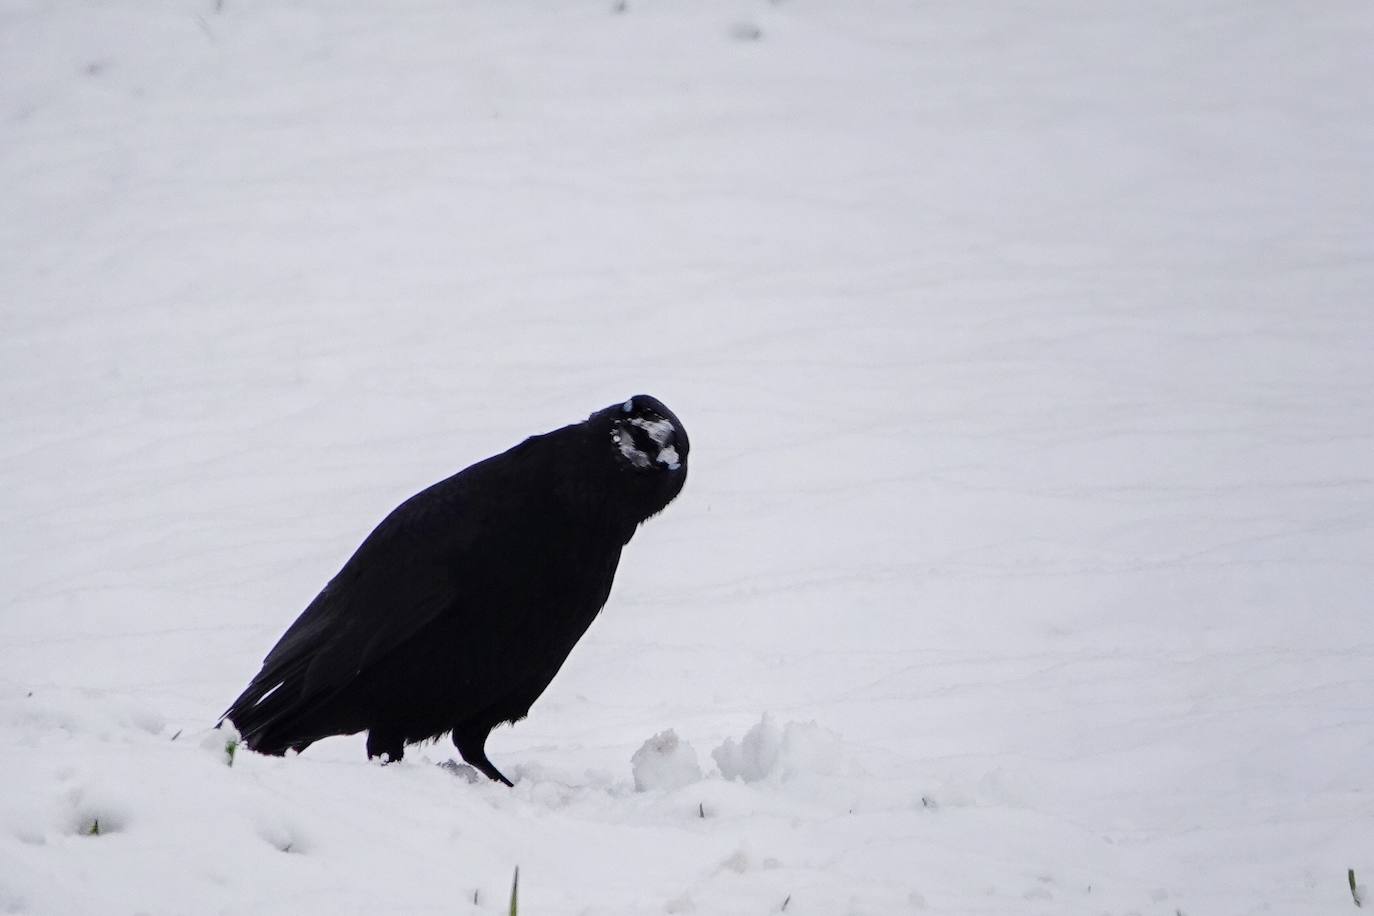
point(460, 607)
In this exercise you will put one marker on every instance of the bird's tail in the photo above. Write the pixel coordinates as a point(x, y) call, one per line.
point(261, 711)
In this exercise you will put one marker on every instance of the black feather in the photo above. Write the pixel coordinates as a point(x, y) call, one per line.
point(460, 607)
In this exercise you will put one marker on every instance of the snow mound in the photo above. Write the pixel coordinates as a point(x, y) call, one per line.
point(665, 761)
point(221, 742)
point(770, 751)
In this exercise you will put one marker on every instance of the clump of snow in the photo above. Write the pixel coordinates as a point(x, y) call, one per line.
point(222, 742)
point(770, 751)
point(665, 761)
point(659, 430)
point(669, 456)
point(627, 448)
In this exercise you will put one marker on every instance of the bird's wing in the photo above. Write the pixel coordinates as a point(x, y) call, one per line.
point(399, 581)
point(491, 562)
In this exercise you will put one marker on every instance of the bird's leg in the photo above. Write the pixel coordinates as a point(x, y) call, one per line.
point(472, 747)
point(380, 744)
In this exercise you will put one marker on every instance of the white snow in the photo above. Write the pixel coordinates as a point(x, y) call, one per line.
point(659, 430)
point(770, 751)
point(1025, 351)
point(669, 457)
point(665, 762)
point(637, 457)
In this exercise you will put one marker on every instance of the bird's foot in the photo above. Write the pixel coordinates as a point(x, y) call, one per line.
point(390, 750)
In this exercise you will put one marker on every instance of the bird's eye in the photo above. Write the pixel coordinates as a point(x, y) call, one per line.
point(628, 406)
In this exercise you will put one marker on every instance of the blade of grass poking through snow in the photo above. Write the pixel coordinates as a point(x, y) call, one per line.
point(515, 892)
point(1354, 888)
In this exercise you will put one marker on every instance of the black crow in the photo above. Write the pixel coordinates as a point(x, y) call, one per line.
point(459, 609)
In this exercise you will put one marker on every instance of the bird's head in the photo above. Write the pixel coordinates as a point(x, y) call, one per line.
point(647, 448)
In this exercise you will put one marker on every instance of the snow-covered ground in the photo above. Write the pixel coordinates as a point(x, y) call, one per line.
point(1027, 352)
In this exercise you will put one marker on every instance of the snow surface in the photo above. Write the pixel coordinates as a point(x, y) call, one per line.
point(1026, 353)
